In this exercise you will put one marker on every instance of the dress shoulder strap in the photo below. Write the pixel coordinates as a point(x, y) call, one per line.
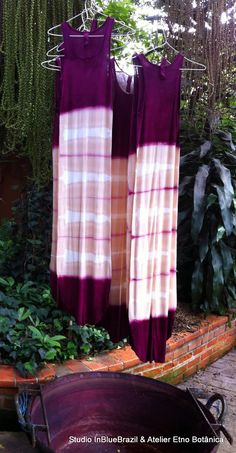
point(75, 47)
point(94, 25)
point(108, 26)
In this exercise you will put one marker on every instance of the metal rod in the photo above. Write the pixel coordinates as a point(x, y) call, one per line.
point(199, 407)
point(45, 415)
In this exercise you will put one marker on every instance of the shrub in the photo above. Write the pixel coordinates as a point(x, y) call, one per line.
point(207, 225)
point(34, 331)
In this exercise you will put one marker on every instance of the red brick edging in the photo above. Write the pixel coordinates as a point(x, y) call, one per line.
point(186, 353)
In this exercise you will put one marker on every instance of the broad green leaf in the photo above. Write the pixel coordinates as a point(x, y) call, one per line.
point(23, 314)
point(184, 183)
point(225, 135)
point(218, 278)
point(46, 338)
point(199, 200)
point(3, 282)
point(234, 269)
point(205, 148)
point(10, 281)
point(231, 158)
point(58, 337)
point(211, 199)
point(213, 224)
point(34, 241)
point(50, 355)
point(85, 348)
point(232, 291)
point(189, 157)
point(30, 367)
point(220, 233)
point(225, 175)
point(216, 260)
point(52, 343)
point(226, 212)
point(203, 244)
point(227, 259)
point(36, 333)
point(197, 284)
point(42, 353)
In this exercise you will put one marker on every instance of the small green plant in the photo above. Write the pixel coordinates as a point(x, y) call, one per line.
point(207, 225)
point(34, 331)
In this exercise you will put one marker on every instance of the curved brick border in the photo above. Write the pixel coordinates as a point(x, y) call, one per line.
point(186, 353)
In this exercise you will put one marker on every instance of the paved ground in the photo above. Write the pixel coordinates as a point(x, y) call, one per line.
point(220, 377)
point(16, 442)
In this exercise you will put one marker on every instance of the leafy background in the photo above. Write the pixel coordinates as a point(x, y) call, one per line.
point(207, 225)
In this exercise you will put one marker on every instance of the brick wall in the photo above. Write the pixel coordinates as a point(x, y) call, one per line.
point(193, 351)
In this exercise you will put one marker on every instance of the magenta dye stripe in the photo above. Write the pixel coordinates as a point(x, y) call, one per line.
point(152, 190)
point(85, 155)
point(134, 236)
point(84, 237)
point(161, 274)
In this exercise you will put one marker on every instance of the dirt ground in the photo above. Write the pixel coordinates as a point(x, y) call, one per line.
point(186, 320)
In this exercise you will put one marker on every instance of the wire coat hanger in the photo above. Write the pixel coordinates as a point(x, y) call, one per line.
point(202, 67)
point(86, 10)
point(92, 10)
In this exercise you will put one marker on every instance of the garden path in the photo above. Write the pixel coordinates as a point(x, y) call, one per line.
point(220, 377)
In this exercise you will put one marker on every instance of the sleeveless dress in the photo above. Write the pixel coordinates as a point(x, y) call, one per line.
point(153, 172)
point(81, 254)
point(55, 160)
point(116, 317)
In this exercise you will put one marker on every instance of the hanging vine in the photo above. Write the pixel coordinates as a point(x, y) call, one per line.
point(26, 89)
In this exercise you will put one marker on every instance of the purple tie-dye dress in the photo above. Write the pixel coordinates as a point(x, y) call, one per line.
point(81, 253)
point(153, 172)
point(116, 167)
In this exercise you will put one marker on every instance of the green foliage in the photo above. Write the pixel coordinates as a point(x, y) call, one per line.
point(34, 331)
point(207, 225)
point(122, 10)
point(26, 91)
point(138, 37)
point(25, 240)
